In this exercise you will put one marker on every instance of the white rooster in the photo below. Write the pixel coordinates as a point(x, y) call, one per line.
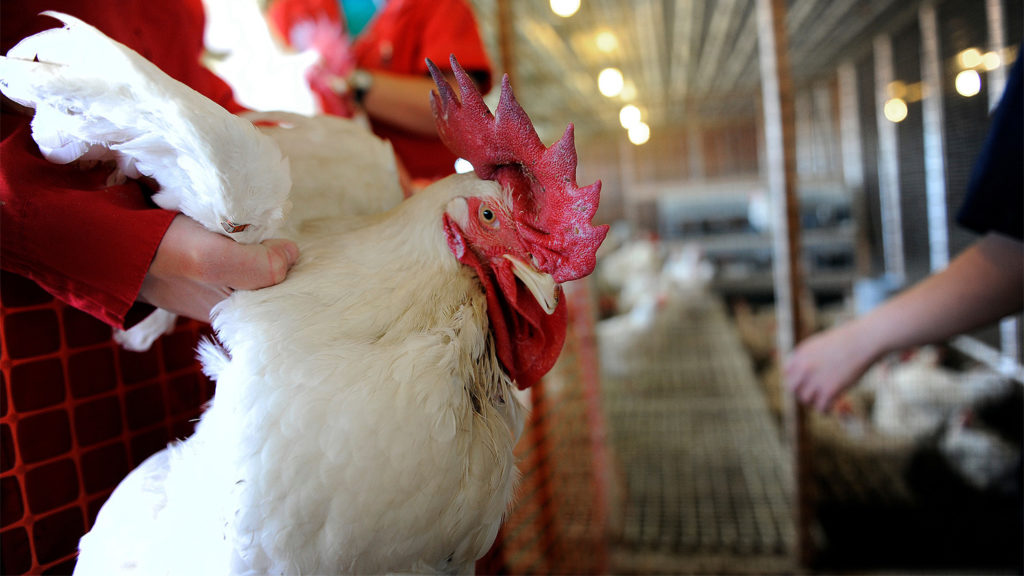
point(364, 419)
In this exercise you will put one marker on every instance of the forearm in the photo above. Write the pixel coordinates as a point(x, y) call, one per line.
point(980, 286)
point(403, 101)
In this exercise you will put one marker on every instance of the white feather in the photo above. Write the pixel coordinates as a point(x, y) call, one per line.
point(96, 99)
point(339, 168)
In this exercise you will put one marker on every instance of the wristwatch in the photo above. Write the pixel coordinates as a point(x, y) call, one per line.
point(360, 83)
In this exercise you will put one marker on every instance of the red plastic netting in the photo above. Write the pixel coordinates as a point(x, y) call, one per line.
point(77, 413)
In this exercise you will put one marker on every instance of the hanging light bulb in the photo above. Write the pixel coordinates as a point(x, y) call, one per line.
point(610, 82)
point(970, 58)
point(895, 110)
point(639, 133)
point(606, 41)
point(565, 8)
point(629, 115)
point(628, 93)
point(991, 60)
point(968, 83)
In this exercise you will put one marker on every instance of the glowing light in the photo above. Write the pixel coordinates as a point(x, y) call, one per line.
point(639, 133)
point(463, 166)
point(970, 58)
point(565, 8)
point(609, 82)
point(896, 89)
point(606, 41)
point(629, 116)
point(628, 93)
point(968, 83)
point(895, 110)
point(991, 60)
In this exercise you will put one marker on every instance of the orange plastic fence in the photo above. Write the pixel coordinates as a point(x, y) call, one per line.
point(559, 522)
point(77, 413)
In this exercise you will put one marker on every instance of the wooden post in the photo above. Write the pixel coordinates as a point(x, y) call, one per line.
point(934, 138)
point(506, 39)
point(780, 156)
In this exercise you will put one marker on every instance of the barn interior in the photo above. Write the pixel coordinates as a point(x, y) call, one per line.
point(769, 169)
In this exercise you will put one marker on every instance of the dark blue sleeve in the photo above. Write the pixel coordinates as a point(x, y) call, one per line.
point(996, 187)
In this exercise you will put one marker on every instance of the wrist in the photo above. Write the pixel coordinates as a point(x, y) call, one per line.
point(866, 342)
point(361, 82)
point(357, 84)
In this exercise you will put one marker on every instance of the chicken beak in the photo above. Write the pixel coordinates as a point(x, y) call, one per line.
point(540, 284)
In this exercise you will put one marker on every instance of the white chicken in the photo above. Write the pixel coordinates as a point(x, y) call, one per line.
point(364, 419)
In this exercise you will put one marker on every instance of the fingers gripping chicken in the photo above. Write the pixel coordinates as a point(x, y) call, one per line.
point(364, 420)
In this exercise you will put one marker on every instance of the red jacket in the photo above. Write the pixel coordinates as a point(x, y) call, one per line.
point(88, 244)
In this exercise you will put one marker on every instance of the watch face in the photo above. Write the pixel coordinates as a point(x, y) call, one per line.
point(361, 80)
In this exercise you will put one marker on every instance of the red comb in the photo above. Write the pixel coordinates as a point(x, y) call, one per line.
point(552, 211)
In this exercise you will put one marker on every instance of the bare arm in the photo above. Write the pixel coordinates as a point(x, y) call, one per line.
point(981, 285)
point(403, 101)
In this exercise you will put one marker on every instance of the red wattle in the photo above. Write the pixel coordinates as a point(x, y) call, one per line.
point(528, 340)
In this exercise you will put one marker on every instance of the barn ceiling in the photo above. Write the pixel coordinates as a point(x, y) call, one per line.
point(684, 59)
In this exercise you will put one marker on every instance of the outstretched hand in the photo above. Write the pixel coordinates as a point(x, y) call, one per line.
point(194, 268)
point(826, 364)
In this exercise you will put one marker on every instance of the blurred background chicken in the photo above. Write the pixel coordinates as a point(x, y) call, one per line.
point(364, 419)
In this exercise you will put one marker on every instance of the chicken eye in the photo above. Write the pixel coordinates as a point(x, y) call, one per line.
point(487, 215)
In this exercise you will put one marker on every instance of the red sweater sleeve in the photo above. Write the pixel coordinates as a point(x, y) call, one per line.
point(88, 244)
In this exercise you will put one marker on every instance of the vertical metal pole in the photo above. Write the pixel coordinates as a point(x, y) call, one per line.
point(506, 39)
point(888, 164)
point(849, 127)
point(852, 159)
point(627, 175)
point(694, 132)
point(780, 155)
point(825, 138)
point(997, 44)
point(934, 138)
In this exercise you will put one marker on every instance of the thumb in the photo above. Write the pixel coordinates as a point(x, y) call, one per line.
point(261, 265)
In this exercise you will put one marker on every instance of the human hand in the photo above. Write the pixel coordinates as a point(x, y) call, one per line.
point(825, 365)
point(194, 268)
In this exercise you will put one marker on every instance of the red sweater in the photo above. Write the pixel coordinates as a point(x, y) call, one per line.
point(88, 244)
